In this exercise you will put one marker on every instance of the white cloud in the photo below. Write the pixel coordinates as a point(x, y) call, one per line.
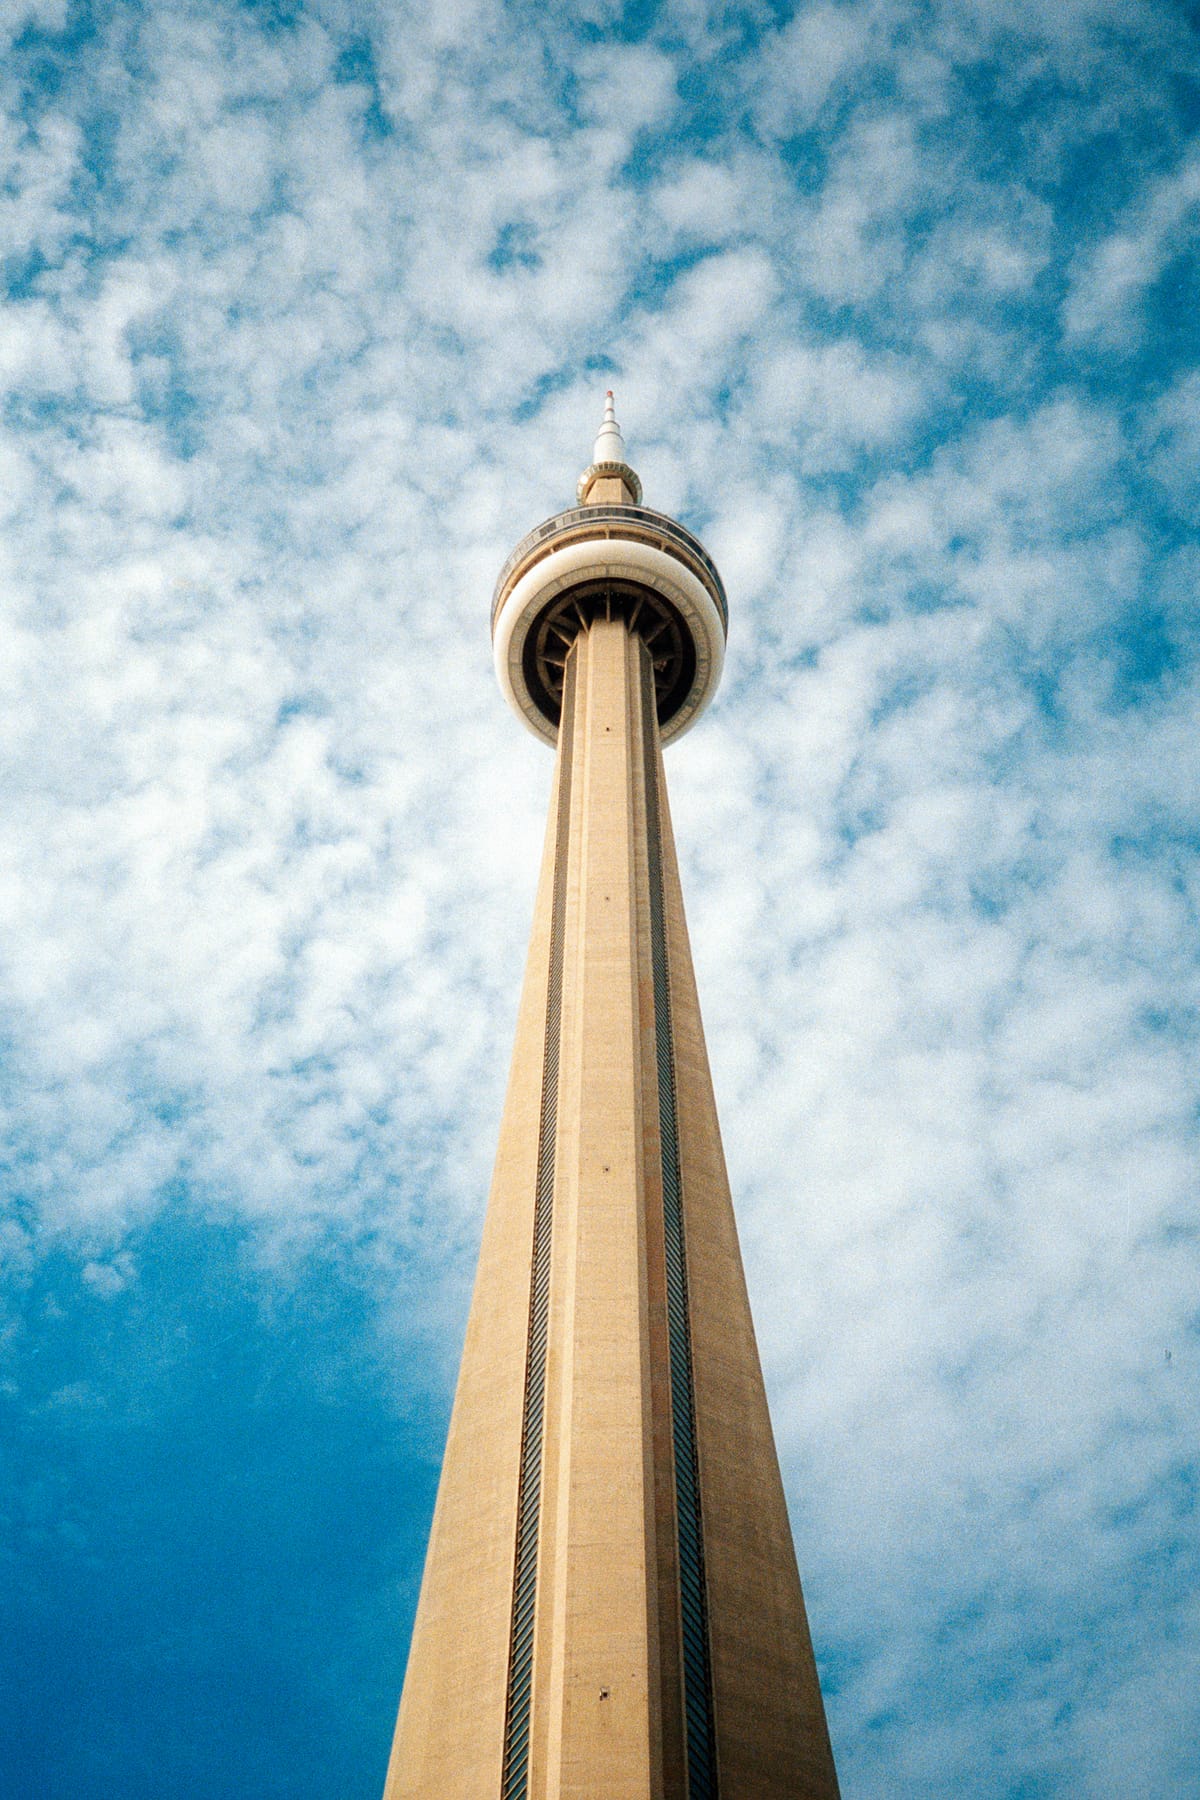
point(108, 1279)
point(1173, 432)
point(626, 86)
point(812, 55)
point(703, 201)
point(1111, 281)
point(17, 16)
point(835, 401)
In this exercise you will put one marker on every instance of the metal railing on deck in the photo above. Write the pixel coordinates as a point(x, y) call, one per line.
point(638, 521)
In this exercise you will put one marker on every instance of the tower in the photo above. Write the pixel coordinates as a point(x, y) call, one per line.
point(610, 1608)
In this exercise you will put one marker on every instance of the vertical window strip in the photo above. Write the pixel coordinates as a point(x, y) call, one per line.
point(519, 1701)
point(697, 1682)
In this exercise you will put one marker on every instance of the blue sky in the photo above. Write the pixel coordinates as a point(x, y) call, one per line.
point(309, 310)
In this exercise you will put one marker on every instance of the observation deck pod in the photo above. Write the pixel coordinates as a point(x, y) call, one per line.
point(609, 560)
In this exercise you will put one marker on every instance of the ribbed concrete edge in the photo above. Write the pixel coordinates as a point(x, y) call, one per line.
point(771, 1732)
point(450, 1730)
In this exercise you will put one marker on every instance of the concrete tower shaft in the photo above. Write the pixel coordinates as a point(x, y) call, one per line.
point(610, 1608)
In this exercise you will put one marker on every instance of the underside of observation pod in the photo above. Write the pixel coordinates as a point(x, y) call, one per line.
point(609, 558)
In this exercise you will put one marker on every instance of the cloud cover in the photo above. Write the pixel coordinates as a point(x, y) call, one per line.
point(308, 311)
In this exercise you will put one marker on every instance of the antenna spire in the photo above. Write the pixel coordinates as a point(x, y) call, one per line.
point(610, 445)
point(608, 477)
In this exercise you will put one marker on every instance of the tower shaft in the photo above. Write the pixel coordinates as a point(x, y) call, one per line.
point(610, 1608)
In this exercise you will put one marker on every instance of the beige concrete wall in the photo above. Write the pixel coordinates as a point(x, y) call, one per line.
point(608, 490)
point(595, 1659)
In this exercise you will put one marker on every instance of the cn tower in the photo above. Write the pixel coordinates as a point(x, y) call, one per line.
point(611, 1608)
